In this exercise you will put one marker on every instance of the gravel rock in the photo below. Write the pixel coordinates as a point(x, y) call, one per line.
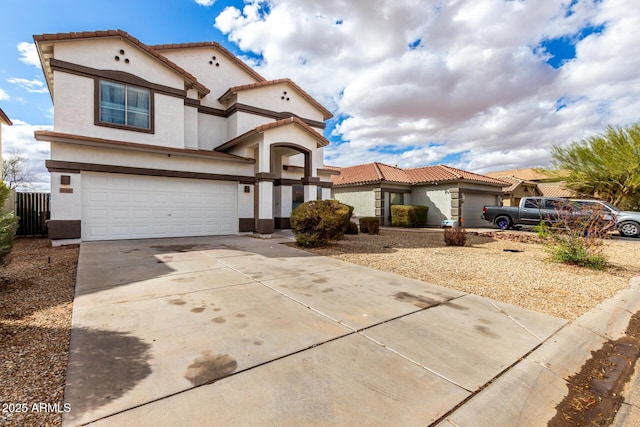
point(36, 302)
point(522, 276)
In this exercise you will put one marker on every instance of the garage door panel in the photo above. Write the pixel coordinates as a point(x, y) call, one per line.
point(472, 209)
point(124, 207)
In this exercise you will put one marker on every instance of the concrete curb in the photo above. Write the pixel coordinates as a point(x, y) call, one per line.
point(530, 390)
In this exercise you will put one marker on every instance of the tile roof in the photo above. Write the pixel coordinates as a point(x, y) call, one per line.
point(44, 38)
point(514, 182)
point(322, 141)
point(4, 118)
point(377, 172)
point(529, 174)
point(555, 189)
point(213, 45)
point(326, 113)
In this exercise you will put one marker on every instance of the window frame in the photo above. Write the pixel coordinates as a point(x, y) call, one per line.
point(98, 106)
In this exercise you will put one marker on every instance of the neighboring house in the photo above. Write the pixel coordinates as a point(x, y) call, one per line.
point(518, 188)
point(451, 194)
point(549, 187)
point(173, 140)
point(4, 120)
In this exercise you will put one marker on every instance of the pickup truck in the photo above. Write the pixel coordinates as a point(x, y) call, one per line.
point(531, 211)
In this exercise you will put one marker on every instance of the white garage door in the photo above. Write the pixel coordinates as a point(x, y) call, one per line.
point(117, 206)
point(472, 209)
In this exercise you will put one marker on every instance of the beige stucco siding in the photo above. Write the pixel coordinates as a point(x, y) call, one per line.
point(212, 131)
point(101, 53)
point(74, 114)
point(271, 98)
point(362, 199)
point(139, 159)
point(437, 198)
point(218, 79)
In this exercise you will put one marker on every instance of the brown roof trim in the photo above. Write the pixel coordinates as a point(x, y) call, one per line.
point(232, 91)
point(45, 135)
point(5, 119)
point(324, 171)
point(214, 46)
point(51, 38)
point(322, 141)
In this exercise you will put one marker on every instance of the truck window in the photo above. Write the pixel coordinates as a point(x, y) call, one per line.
point(532, 204)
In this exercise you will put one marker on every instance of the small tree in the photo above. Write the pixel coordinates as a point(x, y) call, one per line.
point(15, 172)
point(317, 222)
point(576, 238)
point(606, 166)
point(8, 224)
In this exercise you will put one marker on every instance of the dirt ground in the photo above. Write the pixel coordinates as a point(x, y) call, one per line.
point(36, 302)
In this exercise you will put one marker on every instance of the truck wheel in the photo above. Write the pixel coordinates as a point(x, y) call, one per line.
point(502, 222)
point(629, 229)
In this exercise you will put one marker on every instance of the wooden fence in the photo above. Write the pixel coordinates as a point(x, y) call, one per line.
point(33, 210)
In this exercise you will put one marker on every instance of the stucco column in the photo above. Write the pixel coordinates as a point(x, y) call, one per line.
point(310, 188)
point(264, 221)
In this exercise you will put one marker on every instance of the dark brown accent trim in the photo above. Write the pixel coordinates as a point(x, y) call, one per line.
point(246, 224)
point(243, 108)
point(265, 226)
point(76, 167)
point(299, 148)
point(190, 102)
point(325, 184)
point(310, 180)
point(64, 229)
point(117, 76)
point(44, 135)
point(96, 111)
point(282, 223)
point(284, 181)
point(396, 190)
point(265, 176)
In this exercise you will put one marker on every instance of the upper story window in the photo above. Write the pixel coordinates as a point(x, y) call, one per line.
point(126, 106)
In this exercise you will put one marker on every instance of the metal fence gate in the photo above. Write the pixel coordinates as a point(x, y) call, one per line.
point(33, 210)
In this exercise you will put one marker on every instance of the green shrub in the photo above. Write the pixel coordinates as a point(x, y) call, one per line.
point(455, 236)
point(576, 238)
point(370, 224)
point(317, 222)
point(409, 216)
point(8, 224)
point(352, 228)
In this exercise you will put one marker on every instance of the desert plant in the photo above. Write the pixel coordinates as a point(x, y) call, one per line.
point(317, 222)
point(576, 237)
point(409, 216)
point(370, 224)
point(455, 236)
point(8, 224)
point(352, 228)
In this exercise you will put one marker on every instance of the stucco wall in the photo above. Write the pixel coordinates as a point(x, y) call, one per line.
point(245, 201)
point(74, 113)
point(101, 53)
point(66, 205)
point(271, 98)
point(138, 159)
point(362, 199)
point(437, 198)
point(212, 131)
point(217, 78)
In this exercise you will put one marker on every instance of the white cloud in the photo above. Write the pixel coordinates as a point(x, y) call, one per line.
point(466, 75)
point(3, 95)
point(33, 86)
point(29, 54)
point(205, 2)
point(19, 139)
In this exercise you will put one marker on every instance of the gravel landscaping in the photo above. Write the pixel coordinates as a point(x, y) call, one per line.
point(36, 301)
point(525, 278)
point(37, 286)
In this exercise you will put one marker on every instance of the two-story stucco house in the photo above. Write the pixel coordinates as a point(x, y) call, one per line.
point(173, 140)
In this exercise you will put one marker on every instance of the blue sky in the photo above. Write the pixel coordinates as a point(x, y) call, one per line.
point(477, 84)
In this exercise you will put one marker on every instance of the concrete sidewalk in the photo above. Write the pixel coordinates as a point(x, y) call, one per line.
point(241, 331)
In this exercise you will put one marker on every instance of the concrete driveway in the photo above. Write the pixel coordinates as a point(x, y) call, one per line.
point(241, 331)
